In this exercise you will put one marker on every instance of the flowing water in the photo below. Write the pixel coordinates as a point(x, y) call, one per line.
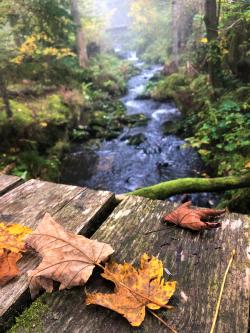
point(120, 167)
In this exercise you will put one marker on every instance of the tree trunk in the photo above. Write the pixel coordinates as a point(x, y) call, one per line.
point(164, 190)
point(4, 94)
point(80, 38)
point(175, 34)
point(211, 21)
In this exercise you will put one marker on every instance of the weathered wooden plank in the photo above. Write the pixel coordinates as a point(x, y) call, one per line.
point(76, 208)
point(197, 261)
point(7, 183)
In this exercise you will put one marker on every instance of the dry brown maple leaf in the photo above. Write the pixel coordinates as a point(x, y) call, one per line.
point(66, 257)
point(8, 267)
point(194, 218)
point(135, 289)
point(11, 244)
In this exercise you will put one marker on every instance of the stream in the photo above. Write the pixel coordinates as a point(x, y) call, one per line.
point(120, 167)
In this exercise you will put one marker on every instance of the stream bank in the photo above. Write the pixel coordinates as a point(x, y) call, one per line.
point(142, 154)
point(215, 122)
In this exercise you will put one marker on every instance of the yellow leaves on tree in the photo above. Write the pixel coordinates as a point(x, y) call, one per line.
point(247, 165)
point(11, 244)
point(135, 290)
point(204, 40)
point(34, 46)
point(66, 257)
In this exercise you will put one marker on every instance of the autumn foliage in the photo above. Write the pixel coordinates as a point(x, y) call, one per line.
point(194, 218)
point(70, 259)
point(66, 257)
point(11, 246)
point(135, 290)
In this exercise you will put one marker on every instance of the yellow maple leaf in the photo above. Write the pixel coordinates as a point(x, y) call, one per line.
point(11, 244)
point(12, 237)
point(135, 290)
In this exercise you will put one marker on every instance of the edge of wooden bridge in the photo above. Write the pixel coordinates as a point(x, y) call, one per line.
point(197, 260)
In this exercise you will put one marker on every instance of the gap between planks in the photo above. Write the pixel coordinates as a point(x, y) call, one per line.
point(196, 260)
point(8, 183)
point(79, 210)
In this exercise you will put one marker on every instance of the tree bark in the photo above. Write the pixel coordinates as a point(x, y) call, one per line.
point(4, 94)
point(80, 37)
point(164, 190)
point(211, 21)
point(175, 34)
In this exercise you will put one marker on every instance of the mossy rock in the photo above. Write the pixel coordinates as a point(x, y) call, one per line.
point(112, 135)
point(240, 202)
point(137, 120)
point(167, 88)
point(80, 134)
point(137, 139)
point(172, 127)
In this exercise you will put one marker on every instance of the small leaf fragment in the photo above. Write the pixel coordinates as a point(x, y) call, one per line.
point(66, 257)
point(11, 244)
point(8, 267)
point(12, 237)
point(135, 289)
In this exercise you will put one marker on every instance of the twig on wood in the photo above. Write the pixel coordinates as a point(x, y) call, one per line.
point(162, 321)
point(221, 291)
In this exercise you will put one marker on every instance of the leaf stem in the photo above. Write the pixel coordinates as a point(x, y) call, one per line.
point(221, 291)
point(103, 267)
point(162, 321)
point(132, 290)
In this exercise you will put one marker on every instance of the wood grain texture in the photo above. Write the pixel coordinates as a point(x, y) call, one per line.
point(75, 208)
point(7, 183)
point(196, 260)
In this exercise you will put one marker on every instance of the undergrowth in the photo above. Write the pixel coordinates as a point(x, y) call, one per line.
point(216, 123)
point(47, 118)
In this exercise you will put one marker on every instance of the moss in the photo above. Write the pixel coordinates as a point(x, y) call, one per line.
point(237, 201)
point(22, 115)
point(30, 321)
point(172, 127)
point(137, 139)
point(60, 147)
point(44, 120)
point(169, 86)
point(192, 185)
point(135, 120)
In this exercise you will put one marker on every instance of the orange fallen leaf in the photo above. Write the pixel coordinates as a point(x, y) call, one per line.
point(8, 267)
point(135, 290)
point(194, 218)
point(66, 257)
point(11, 244)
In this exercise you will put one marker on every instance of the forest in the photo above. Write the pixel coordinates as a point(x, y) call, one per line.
point(64, 68)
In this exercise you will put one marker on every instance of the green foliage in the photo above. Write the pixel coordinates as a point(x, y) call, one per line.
point(151, 26)
point(32, 139)
point(109, 74)
point(220, 134)
point(169, 87)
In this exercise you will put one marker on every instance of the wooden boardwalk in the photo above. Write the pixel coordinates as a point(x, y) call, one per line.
point(197, 261)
